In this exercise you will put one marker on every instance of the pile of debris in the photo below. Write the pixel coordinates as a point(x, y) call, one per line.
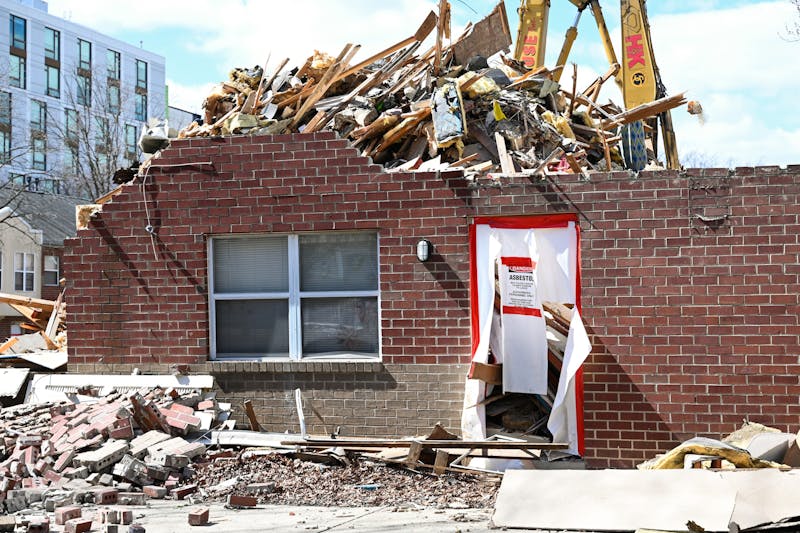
point(81, 461)
point(446, 107)
point(301, 478)
point(44, 318)
point(93, 451)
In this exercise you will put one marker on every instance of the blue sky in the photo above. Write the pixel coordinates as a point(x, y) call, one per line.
point(732, 56)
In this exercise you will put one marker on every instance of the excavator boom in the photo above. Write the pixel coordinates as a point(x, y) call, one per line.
point(532, 33)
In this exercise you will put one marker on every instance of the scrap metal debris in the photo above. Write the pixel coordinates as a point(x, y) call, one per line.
point(431, 110)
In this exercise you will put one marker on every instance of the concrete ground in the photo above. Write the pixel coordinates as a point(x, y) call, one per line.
point(171, 516)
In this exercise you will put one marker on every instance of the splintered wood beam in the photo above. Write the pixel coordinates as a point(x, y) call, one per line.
point(8, 344)
point(44, 305)
point(647, 110)
point(400, 131)
point(425, 443)
point(422, 33)
point(251, 416)
point(506, 164)
point(327, 80)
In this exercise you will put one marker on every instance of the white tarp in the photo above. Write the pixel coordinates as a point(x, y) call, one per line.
point(555, 252)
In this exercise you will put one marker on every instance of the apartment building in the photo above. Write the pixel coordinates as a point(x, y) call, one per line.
point(72, 101)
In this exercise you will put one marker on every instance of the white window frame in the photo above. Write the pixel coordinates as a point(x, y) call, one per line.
point(45, 270)
point(25, 255)
point(294, 296)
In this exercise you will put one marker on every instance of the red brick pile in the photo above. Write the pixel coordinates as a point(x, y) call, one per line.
point(118, 449)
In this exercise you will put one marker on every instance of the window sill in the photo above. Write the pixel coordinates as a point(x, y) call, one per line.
point(296, 367)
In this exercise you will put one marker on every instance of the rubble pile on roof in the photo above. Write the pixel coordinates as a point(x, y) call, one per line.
point(445, 107)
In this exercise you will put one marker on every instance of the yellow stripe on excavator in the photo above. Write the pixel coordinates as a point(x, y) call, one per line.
point(532, 32)
point(638, 76)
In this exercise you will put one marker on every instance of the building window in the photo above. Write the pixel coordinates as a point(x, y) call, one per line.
point(16, 72)
point(140, 107)
point(51, 273)
point(297, 296)
point(18, 40)
point(38, 117)
point(5, 127)
point(52, 44)
point(18, 180)
point(71, 140)
point(102, 136)
point(84, 84)
point(53, 75)
point(18, 30)
point(23, 271)
point(130, 143)
point(113, 99)
point(113, 65)
point(84, 55)
point(141, 74)
point(38, 153)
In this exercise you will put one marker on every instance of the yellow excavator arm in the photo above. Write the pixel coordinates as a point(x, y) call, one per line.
point(639, 80)
point(532, 32)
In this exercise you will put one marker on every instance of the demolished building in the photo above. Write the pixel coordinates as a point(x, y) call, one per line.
point(686, 284)
point(344, 230)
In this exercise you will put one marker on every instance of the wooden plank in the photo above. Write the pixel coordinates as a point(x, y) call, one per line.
point(8, 344)
point(440, 464)
point(422, 32)
point(389, 443)
point(29, 312)
point(109, 195)
point(647, 110)
point(48, 341)
point(55, 318)
point(251, 416)
point(414, 452)
point(506, 164)
point(327, 80)
point(44, 305)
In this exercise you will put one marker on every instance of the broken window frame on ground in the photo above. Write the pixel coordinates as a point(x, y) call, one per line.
point(566, 418)
point(363, 332)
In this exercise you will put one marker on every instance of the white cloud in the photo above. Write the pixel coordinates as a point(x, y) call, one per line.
point(187, 97)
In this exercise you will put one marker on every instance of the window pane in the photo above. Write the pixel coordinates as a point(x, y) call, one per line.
point(51, 44)
point(16, 75)
point(257, 264)
point(252, 327)
point(338, 262)
point(53, 81)
point(18, 280)
point(51, 262)
point(340, 325)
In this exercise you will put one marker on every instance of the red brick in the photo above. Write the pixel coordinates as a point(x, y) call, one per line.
point(181, 492)
point(106, 496)
point(154, 492)
point(240, 500)
point(179, 408)
point(198, 517)
point(64, 514)
point(78, 525)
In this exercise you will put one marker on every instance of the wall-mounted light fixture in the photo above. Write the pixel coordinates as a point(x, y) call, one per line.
point(424, 248)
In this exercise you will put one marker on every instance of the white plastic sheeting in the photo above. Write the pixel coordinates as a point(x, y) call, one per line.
point(555, 252)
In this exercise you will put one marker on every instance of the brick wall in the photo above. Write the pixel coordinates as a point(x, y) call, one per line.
point(689, 286)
